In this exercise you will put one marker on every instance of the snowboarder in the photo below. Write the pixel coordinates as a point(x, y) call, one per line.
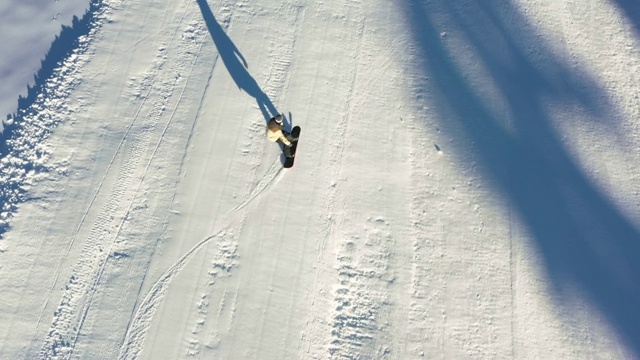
point(276, 133)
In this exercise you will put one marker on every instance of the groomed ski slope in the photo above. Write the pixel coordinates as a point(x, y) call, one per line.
point(466, 184)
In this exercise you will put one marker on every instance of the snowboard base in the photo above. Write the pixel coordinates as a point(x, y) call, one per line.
point(288, 161)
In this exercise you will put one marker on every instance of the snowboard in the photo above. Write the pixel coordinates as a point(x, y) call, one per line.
point(288, 161)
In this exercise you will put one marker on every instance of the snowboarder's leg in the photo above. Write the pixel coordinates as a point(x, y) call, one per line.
point(289, 137)
point(286, 149)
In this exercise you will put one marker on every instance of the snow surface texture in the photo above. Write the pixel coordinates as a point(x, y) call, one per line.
point(466, 185)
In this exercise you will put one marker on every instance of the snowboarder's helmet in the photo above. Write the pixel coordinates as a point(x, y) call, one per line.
point(278, 120)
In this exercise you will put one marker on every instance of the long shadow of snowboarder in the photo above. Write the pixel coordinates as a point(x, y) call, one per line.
point(584, 241)
point(235, 62)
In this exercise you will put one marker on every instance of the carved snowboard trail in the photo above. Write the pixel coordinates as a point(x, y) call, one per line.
point(125, 181)
point(134, 340)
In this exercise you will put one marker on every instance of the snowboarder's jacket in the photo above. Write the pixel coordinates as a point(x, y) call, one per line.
point(274, 133)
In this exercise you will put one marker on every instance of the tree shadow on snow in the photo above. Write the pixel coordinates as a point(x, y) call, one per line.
point(235, 62)
point(631, 9)
point(15, 140)
point(584, 241)
point(62, 46)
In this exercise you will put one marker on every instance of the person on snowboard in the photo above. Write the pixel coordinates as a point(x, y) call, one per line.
point(276, 133)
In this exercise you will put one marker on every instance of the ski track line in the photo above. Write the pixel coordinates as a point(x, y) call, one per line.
point(134, 339)
point(336, 160)
point(54, 339)
point(353, 319)
point(99, 17)
point(180, 171)
point(140, 183)
point(83, 284)
point(276, 86)
point(354, 325)
point(84, 216)
point(227, 17)
point(101, 183)
point(189, 139)
point(278, 80)
point(270, 178)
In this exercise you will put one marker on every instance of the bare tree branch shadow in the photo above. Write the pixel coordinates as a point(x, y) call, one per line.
point(585, 241)
point(235, 62)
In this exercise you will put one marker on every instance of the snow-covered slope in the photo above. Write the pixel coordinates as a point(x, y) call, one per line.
point(465, 184)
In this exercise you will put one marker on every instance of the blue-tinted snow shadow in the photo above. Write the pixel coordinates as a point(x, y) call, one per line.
point(235, 62)
point(631, 9)
point(585, 242)
point(11, 190)
point(61, 47)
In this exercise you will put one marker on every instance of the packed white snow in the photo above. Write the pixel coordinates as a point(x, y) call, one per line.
point(465, 186)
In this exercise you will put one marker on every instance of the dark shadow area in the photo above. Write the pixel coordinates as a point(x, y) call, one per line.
point(288, 121)
point(235, 62)
point(631, 9)
point(61, 47)
point(584, 241)
point(12, 138)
